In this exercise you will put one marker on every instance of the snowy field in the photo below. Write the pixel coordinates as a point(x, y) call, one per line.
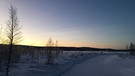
point(33, 63)
point(76, 63)
point(104, 65)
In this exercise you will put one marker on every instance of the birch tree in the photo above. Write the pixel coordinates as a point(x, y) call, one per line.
point(12, 33)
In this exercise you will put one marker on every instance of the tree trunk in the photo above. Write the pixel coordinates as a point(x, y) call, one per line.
point(9, 59)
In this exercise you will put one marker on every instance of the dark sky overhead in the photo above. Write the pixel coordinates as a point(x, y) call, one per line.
point(92, 23)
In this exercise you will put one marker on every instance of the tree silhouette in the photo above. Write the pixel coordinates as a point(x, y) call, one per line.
point(132, 48)
point(57, 50)
point(13, 33)
point(50, 52)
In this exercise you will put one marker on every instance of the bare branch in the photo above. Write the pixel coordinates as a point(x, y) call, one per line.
point(13, 28)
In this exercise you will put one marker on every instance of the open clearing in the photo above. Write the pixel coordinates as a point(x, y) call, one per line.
point(104, 65)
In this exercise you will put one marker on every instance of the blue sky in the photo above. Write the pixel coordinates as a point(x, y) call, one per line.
point(92, 23)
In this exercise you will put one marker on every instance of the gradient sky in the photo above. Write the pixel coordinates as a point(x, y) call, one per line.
point(92, 23)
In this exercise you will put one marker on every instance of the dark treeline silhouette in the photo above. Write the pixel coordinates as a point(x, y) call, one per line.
point(70, 48)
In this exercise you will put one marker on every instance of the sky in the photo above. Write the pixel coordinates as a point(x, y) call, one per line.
point(80, 23)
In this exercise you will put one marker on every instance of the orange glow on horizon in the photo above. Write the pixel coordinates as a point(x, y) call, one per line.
point(66, 44)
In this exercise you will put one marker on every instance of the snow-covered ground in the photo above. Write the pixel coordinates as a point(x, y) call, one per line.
point(104, 65)
point(61, 65)
point(76, 63)
point(35, 66)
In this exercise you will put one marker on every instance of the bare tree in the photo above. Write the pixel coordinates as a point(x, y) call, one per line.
point(132, 48)
point(58, 51)
point(50, 52)
point(56, 48)
point(13, 33)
